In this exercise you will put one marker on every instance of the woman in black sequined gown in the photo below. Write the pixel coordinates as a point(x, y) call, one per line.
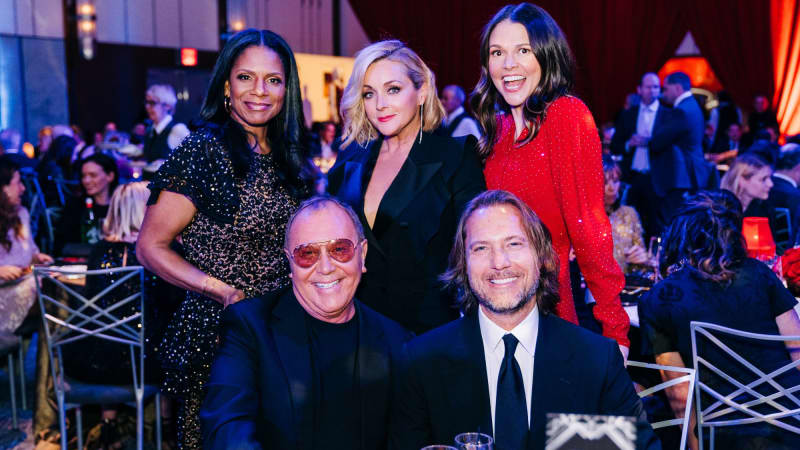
point(228, 191)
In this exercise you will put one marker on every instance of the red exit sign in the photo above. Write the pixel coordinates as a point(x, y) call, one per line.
point(188, 56)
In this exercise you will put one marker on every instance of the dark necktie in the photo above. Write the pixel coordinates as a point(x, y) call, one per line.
point(511, 414)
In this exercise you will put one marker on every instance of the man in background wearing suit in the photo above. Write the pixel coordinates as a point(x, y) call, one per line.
point(784, 192)
point(509, 360)
point(633, 129)
point(308, 367)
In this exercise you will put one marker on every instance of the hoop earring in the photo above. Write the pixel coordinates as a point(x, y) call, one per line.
point(227, 104)
point(420, 124)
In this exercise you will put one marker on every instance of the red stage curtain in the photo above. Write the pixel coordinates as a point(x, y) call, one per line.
point(735, 37)
point(786, 55)
point(614, 41)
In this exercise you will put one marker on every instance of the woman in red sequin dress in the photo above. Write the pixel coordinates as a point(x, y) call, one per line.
point(543, 146)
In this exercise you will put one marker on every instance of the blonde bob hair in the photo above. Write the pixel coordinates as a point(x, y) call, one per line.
point(743, 168)
point(357, 126)
point(126, 212)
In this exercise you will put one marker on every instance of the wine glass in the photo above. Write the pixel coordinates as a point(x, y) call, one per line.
point(474, 441)
point(439, 447)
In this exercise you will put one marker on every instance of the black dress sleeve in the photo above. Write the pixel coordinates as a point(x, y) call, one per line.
point(201, 170)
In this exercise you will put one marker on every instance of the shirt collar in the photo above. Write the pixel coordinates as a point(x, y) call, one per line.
point(163, 124)
point(785, 178)
point(525, 332)
point(683, 96)
point(455, 114)
point(652, 107)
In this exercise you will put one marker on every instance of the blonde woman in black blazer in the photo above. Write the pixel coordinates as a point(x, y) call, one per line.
point(407, 185)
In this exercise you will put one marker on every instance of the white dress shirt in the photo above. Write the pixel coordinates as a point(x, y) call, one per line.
point(785, 178)
point(494, 349)
point(176, 135)
point(682, 97)
point(465, 127)
point(644, 128)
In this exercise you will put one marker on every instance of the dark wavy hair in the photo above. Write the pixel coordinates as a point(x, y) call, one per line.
point(286, 132)
point(551, 49)
point(456, 277)
point(107, 163)
point(9, 214)
point(705, 236)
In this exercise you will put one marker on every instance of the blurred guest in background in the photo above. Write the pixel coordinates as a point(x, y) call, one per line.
point(457, 121)
point(82, 218)
point(750, 180)
point(17, 251)
point(626, 229)
point(100, 361)
point(544, 148)
point(45, 139)
point(762, 116)
point(228, 191)
point(709, 278)
point(165, 134)
point(11, 146)
point(407, 185)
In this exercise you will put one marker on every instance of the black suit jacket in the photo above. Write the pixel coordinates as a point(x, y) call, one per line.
point(415, 225)
point(625, 127)
point(676, 150)
point(262, 391)
point(784, 195)
point(444, 390)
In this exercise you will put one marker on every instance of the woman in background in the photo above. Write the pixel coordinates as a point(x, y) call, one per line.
point(709, 278)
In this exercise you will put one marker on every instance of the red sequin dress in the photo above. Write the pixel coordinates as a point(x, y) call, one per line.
point(559, 175)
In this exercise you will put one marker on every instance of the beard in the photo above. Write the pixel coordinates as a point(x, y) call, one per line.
point(522, 300)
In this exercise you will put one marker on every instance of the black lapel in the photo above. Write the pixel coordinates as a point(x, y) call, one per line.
point(357, 173)
point(290, 333)
point(373, 372)
point(549, 387)
point(464, 378)
point(413, 177)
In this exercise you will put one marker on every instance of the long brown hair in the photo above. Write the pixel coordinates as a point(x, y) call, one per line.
point(551, 49)
point(456, 277)
point(9, 213)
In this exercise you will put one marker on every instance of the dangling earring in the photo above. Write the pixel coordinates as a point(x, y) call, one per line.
point(420, 124)
point(227, 103)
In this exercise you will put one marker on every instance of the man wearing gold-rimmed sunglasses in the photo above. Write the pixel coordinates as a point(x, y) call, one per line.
point(309, 366)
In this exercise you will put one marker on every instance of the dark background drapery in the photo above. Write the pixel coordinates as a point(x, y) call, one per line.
point(614, 41)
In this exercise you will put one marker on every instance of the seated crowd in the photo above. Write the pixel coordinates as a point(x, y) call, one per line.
point(414, 272)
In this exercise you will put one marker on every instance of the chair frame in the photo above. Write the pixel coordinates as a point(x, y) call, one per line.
point(726, 404)
point(12, 386)
point(690, 376)
point(60, 330)
point(31, 181)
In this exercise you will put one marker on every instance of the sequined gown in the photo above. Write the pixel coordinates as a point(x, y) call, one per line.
point(559, 175)
point(235, 236)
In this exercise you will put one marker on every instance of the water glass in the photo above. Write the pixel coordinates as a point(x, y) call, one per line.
point(474, 441)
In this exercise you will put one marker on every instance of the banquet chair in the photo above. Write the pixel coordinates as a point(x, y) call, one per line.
point(8, 347)
point(40, 214)
point(80, 318)
point(688, 377)
point(758, 399)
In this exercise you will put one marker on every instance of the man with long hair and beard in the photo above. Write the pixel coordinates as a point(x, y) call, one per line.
point(509, 360)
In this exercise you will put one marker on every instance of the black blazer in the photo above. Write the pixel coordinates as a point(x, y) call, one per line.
point(625, 127)
point(261, 392)
point(676, 150)
point(444, 390)
point(415, 224)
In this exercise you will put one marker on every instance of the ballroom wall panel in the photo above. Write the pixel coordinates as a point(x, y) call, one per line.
point(160, 23)
point(32, 95)
point(42, 18)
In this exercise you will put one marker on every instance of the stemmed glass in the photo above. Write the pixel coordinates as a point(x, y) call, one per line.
point(439, 447)
point(474, 441)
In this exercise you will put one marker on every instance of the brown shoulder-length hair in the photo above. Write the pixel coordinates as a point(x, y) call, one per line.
point(552, 52)
point(705, 236)
point(456, 277)
point(9, 214)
